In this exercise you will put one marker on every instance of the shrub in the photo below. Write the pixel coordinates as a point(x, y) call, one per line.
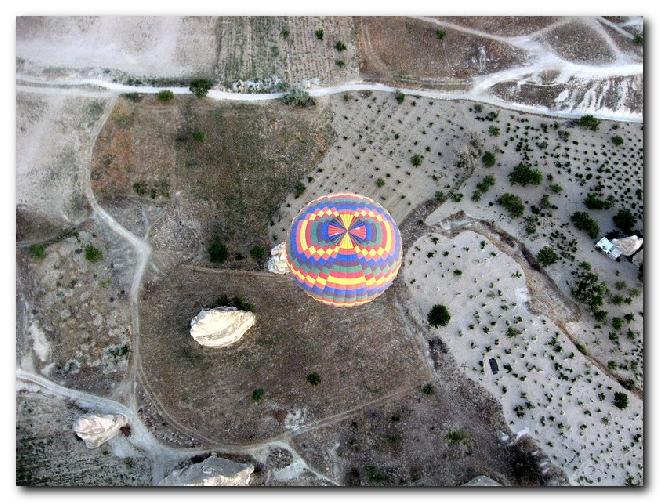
point(134, 97)
point(416, 160)
point(258, 394)
point(340, 46)
point(380, 182)
point(581, 348)
point(285, 33)
point(617, 323)
point(488, 159)
point(140, 188)
point(547, 256)
point(524, 175)
point(563, 134)
point(339, 63)
point(299, 190)
point(201, 87)
point(617, 140)
point(399, 96)
point(313, 378)
point(258, 253)
point(427, 389)
point(512, 332)
point(594, 202)
point(555, 188)
point(512, 203)
point(639, 39)
point(165, 96)
point(588, 122)
point(37, 251)
point(298, 98)
point(494, 131)
point(486, 183)
point(93, 254)
point(458, 272)
point(319, 33)
point(438, 316)
point(217, 250)
point(620, 400)
point(624, 220)
point(198, 135)
point(440, 34)
point(456, 436)
point(584, 222)
point(588, 289)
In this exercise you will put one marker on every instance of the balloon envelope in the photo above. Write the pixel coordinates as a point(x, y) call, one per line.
point(344, 249)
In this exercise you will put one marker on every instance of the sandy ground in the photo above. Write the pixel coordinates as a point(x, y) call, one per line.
point(578, 168)
point(547, 389)
point(54, 138)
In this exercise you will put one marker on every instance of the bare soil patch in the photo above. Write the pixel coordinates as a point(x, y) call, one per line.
point(360, 355)
point(409, 51)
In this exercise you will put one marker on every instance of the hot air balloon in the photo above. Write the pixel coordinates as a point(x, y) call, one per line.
point(344, 249)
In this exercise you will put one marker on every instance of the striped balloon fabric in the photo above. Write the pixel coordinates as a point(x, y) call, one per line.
point(344, 249)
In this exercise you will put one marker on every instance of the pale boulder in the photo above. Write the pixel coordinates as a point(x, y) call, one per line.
point(96, 429)
point(277, 261)
point(482, 481)
point(221, 326)
point(213, 471)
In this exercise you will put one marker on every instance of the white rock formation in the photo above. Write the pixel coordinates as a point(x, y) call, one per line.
point(221, 326)
point(97, 429)
point(628, 246)
point(213, 471)
point(277, 261)
point(482, 481)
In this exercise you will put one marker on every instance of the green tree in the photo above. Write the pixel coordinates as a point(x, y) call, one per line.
point(438, 316)
point(584, 222)
point(547, 256)
point(524, 175)
point(512, 203)
point(37, 251)
point(620, 400)
point(201, 87)
point(165, 96)
point(258, 253)
point(313, 378)
point(488, 159)
point(589, 122)
point(93, 254)
point(217, 250)
point(624, 220)
point(258, 394)
point(595, 202)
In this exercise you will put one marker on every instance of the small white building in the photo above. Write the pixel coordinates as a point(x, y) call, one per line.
point(608, 248)
point(617, 247)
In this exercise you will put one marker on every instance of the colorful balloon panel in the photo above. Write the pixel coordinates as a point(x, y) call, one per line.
point(344, 249)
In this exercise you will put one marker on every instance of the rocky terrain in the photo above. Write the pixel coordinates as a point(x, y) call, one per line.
point(161, 342)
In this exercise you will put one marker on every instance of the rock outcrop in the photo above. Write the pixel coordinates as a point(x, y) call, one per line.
point(97, 429)
point(482, 481)
point(628, 246)
point(277, 261)
point(213, 471)
point(221, 326)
